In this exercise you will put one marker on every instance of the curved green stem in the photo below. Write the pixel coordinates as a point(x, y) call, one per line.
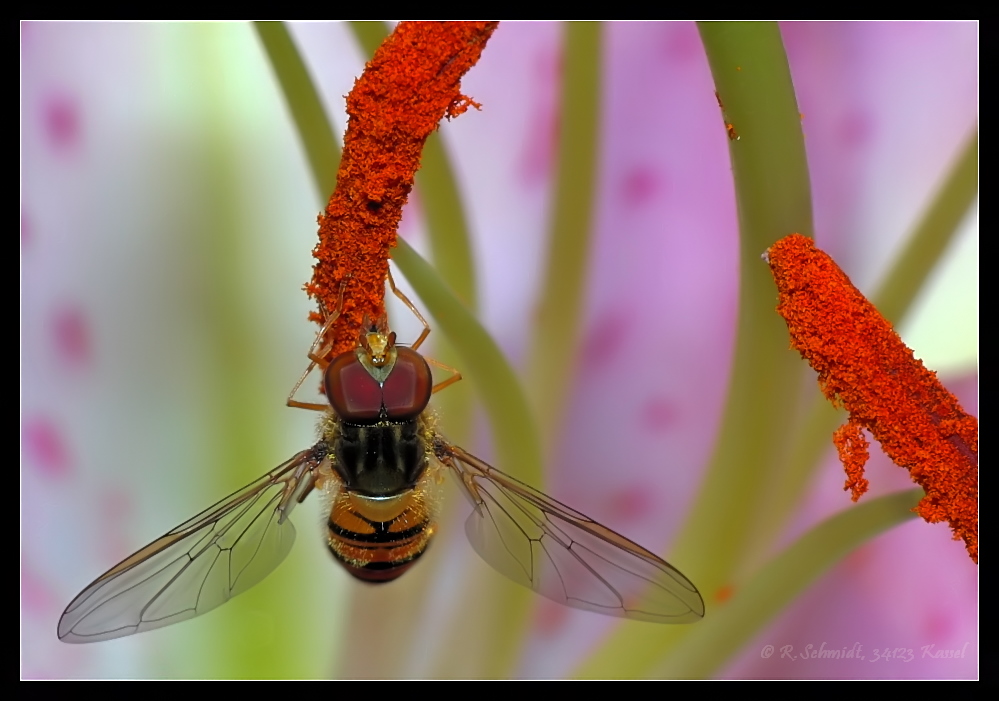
point(321, 145)
point(716, 639)
point(773, 199)
point(563, 287)
point(518, 445)
point(927, 243)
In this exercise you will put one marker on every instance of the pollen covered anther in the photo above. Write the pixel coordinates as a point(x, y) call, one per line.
point(411, 83)
point(864, 366)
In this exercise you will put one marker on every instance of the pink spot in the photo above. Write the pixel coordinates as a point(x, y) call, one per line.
point(605, 340)
point(540, 145)
point(62, 122)
point(938, 625)
point(45, 448)
point(854, 130)
point(539, 151)
point(550, 618)
point(35, 595)
point(628, 505)
point(658, 415)
point(26, 232)
point(682, 43)
point(641, 185)
point(858, 561)
point(71, 337)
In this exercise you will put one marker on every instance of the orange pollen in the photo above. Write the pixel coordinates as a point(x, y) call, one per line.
point(412, 82)
point(864, 366)
point(724, 593)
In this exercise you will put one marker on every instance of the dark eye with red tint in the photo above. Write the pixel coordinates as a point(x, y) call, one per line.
point(406, 391)
point(354, 394)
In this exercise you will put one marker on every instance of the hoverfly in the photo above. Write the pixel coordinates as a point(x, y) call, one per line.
point(378, 462)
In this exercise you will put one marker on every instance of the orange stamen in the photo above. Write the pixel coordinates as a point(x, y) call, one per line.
point(864, 366)
point(410, 84)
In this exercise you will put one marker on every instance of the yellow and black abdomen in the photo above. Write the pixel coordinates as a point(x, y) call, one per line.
point(382, 514)
point(378, 538)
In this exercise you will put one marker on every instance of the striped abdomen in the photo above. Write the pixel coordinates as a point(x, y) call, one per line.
point(378, 538)
point(382, 517)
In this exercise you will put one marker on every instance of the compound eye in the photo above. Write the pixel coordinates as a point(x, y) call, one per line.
point(406, 391)
point(352, 392)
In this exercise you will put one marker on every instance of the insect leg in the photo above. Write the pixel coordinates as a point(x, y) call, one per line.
point(405, 300)
point(318, 355)
point(455, 375)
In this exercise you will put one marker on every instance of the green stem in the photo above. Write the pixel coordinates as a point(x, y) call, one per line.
point(370, 35)
point(773, 199)
point(935, 231)
point(712, 643)
point(518, 445)
point(563, 287)
point(322, 147)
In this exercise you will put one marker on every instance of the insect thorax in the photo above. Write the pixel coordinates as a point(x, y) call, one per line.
point(379, 459)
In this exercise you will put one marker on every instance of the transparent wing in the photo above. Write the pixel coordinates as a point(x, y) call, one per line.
point(564, 555)
point(201, 564)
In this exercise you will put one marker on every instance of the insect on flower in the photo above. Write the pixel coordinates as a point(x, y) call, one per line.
point(378, 462)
